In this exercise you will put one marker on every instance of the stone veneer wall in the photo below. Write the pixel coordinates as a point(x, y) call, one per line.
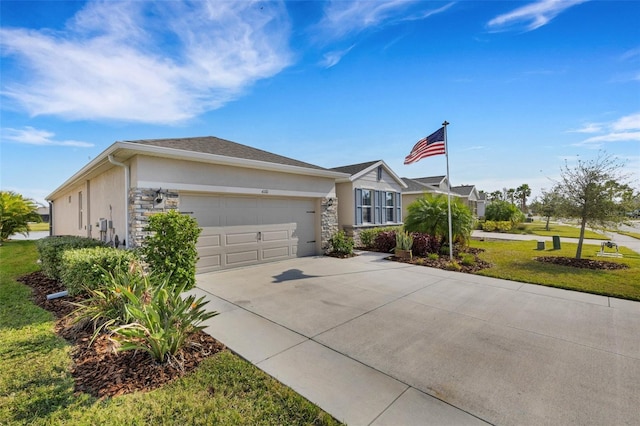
point(142, 204)
point(329, 221)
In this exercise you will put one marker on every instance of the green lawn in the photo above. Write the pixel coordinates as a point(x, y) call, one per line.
point(539, 228)
point(514, 260)
point(37, 389)
point(42, 226)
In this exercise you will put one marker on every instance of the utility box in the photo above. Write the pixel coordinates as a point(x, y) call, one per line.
point(556, 242)
point(540, 245)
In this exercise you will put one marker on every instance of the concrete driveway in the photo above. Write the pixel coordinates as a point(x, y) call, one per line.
point(379, 342)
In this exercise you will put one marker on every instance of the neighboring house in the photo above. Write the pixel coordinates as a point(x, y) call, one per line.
point(369, 196)
point(469, 194)
point(482, 203)
point(416, 189)
point(44, 213)
point(254, 206)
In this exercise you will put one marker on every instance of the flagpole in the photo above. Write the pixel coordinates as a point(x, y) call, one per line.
point(446, 150)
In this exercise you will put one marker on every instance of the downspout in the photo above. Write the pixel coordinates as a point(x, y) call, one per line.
point(50, 218)
point(126, 198)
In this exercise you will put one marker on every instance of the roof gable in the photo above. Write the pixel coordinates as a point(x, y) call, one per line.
point(358, 170)
point(431, 180)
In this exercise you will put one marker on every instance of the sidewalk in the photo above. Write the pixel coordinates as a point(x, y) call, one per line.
point(621, 240)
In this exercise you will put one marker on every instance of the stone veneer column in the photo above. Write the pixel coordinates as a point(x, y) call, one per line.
point(142, 204)
point(329, 221)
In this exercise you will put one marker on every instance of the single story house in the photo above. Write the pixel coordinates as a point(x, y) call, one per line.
point(370, 195)
point(416, 188)
point(254, 206)
point(470, 195)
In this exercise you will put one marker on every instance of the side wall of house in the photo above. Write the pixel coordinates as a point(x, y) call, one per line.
point(79, 210)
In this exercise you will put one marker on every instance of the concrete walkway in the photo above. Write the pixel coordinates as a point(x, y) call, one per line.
point(621, 240)
point(375, 342)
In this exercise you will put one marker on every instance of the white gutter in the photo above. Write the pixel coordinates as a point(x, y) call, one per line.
point(126, 198)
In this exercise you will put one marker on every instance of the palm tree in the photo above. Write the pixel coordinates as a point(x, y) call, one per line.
point(522, 192)
point(429, 215)
point(15, 214)
point(510, 195)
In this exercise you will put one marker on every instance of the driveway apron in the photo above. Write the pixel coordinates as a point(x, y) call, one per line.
point(375, 342)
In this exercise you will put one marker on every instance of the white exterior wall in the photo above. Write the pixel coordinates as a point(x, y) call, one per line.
point(66, 212)
point(107, 189)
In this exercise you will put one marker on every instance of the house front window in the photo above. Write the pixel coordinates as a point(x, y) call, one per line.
point(367, 206)
point(389, 206)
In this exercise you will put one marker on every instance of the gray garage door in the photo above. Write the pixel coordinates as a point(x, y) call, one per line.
point(240, 231)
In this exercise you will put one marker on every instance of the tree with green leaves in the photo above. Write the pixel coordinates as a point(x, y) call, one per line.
point(503, 211)
point(15, 214)
point(510, 194)
point(495, 196)
point(429, 215)
point(592, 192)
point(522, 192)
point(548, 205)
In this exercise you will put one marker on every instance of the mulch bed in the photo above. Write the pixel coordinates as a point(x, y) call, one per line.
point(443, 262)
point(99, 370)
point(582, 263)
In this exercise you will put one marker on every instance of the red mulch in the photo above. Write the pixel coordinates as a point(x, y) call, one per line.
point(582, 263)
point(100, 371)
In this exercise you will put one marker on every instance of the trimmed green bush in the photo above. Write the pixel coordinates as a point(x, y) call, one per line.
point(341, 244)
point(84, 269)
point(170, 251)
point(497, 226)
point(51, 249)
point(501, 211)
point(368, 236)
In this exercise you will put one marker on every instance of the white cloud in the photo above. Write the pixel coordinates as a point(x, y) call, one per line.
point(588, 128)
point(332, 58)
point(532, 16)
point(342, 18)
point(624, 129)
point(30, 136)
point(152, 62)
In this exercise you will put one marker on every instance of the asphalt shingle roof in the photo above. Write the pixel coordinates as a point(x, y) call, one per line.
point(352, 169)
point(431, 180)
point(217, 146)
point(463, 189)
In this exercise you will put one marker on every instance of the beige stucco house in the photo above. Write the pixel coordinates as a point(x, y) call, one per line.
point(370, 196)
point(254, 206)
point(416, 188)
point(470, 195)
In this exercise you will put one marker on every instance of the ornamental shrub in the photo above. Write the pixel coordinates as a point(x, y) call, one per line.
point(385, 241)
point(367, 237)
point(341, 244)
point(84, 269)
point(162, 319)
point(170, 250)
point(404, 241)
point(423, 244)
point(51, 250)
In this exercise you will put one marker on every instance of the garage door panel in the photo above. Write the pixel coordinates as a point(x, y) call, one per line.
point(241, 238)
point(243, 257)
point(281, 235)
point(275, 253)
point(239, 231)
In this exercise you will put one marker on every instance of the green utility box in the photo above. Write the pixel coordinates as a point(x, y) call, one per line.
point(556, 242)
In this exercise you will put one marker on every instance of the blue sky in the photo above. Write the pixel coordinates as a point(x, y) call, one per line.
point(525, 85)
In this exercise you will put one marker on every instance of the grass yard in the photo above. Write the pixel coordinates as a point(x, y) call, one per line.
point(539, 228)
point(36, 387)
point(42, 226)
point(514, 260)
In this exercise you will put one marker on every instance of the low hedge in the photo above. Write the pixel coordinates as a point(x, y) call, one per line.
point(51, 250)
point(83, 269)
point(499, 226)
point(368, 236)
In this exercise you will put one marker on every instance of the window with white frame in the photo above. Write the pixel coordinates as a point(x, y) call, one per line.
point(389, 209)
point(367, 206)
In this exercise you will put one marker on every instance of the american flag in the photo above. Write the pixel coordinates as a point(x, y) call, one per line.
point(426, 147)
